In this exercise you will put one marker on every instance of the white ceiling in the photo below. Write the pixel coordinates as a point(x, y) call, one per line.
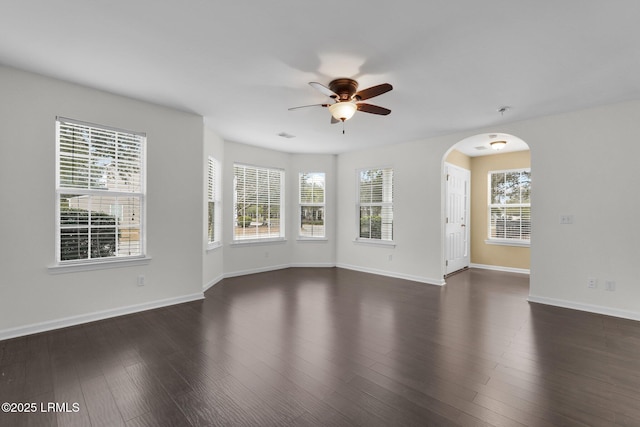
point(242, 64)
point(480, 144)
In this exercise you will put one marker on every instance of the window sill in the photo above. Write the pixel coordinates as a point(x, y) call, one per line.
point(375, 242)
point(507, 242)
point(97, 265)
point(213, 246)
point(312, 239)
point(256, 242)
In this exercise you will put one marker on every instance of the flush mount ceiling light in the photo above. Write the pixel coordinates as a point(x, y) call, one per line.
point(498, 145)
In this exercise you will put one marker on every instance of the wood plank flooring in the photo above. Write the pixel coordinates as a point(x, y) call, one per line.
point(333, 347)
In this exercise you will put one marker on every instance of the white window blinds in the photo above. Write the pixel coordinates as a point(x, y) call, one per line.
point(510, 205)
point(258, 199)
point(213, 201)
point(99, 192)
point(375, 203)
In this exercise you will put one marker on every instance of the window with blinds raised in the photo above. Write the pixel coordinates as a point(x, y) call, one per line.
point(214, 211)
point(258, 202)
point(510, 206)
point(311, 200)
point(375, 204)
point(99, 192)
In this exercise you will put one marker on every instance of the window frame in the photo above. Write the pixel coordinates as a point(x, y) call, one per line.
point(282, 215)
point(383, 204)
point(506, 241)
point(116, 260)
point(214, 181)
point(302, 205)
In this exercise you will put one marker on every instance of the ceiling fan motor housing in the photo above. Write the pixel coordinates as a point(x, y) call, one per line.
point(345, 88)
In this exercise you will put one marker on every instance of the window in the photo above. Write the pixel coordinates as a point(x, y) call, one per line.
point(99, 192)
point(258, 199)
point(375, 203)
point(510, 206)
point(213, 203)
point(311, 187)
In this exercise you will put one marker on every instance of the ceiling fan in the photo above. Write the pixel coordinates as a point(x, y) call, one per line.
point(344, 92)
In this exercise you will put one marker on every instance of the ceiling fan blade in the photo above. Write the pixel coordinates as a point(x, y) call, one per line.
point(373, 109)
point(323, 89)
point(305, 106)
point(373, 91)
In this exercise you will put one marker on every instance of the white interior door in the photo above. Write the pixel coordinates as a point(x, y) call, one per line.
point(457, 218)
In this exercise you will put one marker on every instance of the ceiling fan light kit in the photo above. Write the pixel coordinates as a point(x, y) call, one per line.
point(343, 110)
point(344, 92)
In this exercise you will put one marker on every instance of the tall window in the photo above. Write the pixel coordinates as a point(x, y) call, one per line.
point(375, 203)
point(213, 203)
point(100, 189)
point(311, 204)
point(510, 206)
point(259, 202)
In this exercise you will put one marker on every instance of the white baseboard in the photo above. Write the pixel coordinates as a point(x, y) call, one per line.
point(312, 265)
point(212, 283)
point(591, 308)
point(255, 270)
point(429, 281)
point(499, 268)
point(92, 317)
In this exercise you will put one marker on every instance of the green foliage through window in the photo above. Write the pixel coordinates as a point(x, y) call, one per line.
point(312, 201)
point(510, 205)
point(100, 189)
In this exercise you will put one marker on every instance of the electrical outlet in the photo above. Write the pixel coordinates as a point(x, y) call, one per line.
point(390, 257)
point(592, 282)
point(141, 280)
point(266, 254)
point(609, 285)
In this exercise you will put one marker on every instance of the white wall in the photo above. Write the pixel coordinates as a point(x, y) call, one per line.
point(31, 298)
point(583, 163)
point(313, 253)
point(246, 258)
point(416, 212)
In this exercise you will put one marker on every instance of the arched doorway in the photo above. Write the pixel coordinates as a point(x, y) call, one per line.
point(486, 217)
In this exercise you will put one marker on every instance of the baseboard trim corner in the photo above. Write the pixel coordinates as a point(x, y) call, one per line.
point(420, 279)
point(500, 268)
point(255, 270)
point(212, 283)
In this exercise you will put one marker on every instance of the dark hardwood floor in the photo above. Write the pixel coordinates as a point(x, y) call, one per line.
point(333, 347)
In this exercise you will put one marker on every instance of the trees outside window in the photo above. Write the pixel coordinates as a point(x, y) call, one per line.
point(258, 202)
point(510, 205)
point(312, 205)
point(375, 204)
point(100, 192)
